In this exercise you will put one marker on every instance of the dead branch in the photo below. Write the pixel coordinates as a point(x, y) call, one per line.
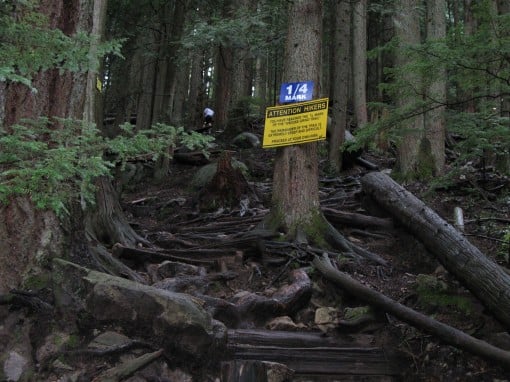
point(442, 331)
point(352, 219)
point(350, 249)
point(141, 256)
point(128, 367)
point(186, 284)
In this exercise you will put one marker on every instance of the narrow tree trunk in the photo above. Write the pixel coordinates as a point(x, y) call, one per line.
point(295, 180)
point(222, 83)
point(194, 104)
point(359, 72)
point(171, 85)
point(147, 85)
point(408, 31)
point(435, 131)
point(340, 79)
point(482, 276)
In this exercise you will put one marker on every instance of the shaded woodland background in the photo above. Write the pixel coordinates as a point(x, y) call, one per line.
point(91, 91)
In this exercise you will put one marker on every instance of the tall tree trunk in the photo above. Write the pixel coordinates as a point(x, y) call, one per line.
point(408, 31)
point(63, 95)
point(146, 86)
point(435, 130)
point(260, 82)
point(295, 181)
point(222, 83)
point(359, 73)
point(195, 101)
point(340, 76)
point(171, 90)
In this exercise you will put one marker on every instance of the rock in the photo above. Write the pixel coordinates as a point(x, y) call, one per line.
point(178, 321)
point(52, 344)
point(169, 269)
point(326, 318)
point(246, 140)
point(206, 173)
point(14, 366)
point(284, 323)
point(109, 339)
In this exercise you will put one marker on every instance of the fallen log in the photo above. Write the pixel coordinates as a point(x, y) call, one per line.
point(354, 219)
point(250, 370)
point(445, 333)
point(315, 355)
point(478, 273)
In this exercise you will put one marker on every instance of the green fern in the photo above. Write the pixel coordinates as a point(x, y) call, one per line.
point(55, 163)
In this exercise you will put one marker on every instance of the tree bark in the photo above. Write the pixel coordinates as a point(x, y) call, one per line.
point(295, 179)
point(435, 119)
point(340, 79)
point(222, 83)
point(64, 95)
point(407, 24)
point(482, 276)
point(359, 72)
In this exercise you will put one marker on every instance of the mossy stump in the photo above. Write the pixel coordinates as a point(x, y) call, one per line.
point(226, 188)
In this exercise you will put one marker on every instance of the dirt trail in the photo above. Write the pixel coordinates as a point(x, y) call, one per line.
point(342, 346)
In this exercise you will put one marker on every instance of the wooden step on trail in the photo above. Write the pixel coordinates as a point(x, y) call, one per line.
point(317, 357)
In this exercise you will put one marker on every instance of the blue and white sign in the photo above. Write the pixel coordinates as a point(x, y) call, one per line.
point(296, 92)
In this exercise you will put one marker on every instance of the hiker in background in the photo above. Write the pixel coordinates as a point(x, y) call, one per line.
point(208, 118)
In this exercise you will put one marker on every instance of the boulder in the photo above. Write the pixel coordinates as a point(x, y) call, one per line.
point(175, 320)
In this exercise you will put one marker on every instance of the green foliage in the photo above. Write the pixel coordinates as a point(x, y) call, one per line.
point(55, 165)
point(255, 30)
point(29, 44)
point(504, 251)
point(433, 292)
point(51, 166)
point(477, 68)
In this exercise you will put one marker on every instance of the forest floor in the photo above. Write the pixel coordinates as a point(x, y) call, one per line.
point(327, 336)
point(167, 214)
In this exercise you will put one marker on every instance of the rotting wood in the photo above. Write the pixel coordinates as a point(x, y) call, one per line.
point(445, 333)
point(252, 307)
point(184, 284)
point(252, 370)
point(313, 354)
point(127, 368)
point(141, 256)
point(478, 273)
point(196, 158)
point(354, 219)
point(281, 338)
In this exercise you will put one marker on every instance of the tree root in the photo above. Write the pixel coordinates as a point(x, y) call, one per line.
point(446, 333)
point(127, 368)
point(337, 240)
point(26, 299)
point(250, 306)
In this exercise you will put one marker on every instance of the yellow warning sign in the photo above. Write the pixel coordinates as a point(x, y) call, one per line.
point(99, 85)
point(295, 123)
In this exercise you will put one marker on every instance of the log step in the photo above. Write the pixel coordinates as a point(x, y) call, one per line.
point(315, 357)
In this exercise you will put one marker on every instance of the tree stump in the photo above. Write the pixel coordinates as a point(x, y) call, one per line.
point(226, 188)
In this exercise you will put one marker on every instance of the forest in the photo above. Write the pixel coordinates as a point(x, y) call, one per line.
point(143, 240)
